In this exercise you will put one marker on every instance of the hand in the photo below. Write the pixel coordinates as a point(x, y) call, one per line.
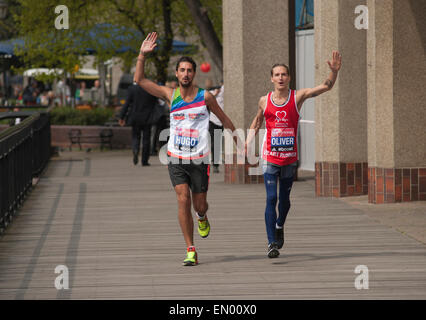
point(336, 62)
point(121, 122)
point(149, 44)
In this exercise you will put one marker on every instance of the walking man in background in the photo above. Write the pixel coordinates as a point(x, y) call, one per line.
point(214, 125)
point(280, 109)
point(137, 110)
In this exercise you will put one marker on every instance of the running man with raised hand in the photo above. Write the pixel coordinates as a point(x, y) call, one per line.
point(280, 109)
point(188, 146)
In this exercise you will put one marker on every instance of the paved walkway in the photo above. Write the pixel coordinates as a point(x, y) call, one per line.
point(114, 226)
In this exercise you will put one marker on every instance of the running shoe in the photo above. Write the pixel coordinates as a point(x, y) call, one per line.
point(191, 257)
point(273, 250)
point(204, 227)
point(279, 236)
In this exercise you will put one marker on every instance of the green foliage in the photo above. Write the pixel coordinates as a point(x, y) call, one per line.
point(214, 11)
point(70, 116)
point(7, 26)
point(45, 46)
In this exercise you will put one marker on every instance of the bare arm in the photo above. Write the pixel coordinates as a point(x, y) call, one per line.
point(257, 121)
point(214, 107)
point(328, 84)
point(148, 45)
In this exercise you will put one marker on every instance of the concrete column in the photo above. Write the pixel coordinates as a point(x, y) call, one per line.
point(396, 101)
point(341, 166)
point(255, 36)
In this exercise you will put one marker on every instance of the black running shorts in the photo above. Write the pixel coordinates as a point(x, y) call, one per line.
point(196, 176)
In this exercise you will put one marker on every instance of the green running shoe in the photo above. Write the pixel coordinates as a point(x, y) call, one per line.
point(204, 228)
point(191, 257)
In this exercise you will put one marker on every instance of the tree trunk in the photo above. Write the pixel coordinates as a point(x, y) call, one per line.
point(162, 57)
point(102, 79)
point(207, 33)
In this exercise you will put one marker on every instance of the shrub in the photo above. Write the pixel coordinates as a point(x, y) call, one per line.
point(71, 116)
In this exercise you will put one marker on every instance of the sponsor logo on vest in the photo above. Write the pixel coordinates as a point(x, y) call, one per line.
point(197, 116)
point(179, 116)
point(281, 116)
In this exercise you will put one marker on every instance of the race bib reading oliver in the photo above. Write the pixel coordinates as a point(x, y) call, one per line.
point(282, 139)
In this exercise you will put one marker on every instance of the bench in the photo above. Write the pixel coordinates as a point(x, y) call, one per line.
point(104, 138)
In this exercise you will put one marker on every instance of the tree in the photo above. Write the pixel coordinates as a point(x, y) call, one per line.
point(206, 29)
point(45, 46)
point(156, 15)
point(7, 25)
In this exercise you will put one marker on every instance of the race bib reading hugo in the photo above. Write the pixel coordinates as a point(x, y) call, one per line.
point(282, 139)
point(186, 139)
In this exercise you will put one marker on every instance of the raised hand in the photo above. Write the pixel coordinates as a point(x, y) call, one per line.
point(336, 62)
point(149, 44)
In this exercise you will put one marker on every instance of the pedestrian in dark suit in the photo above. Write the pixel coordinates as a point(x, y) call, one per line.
point(137, 110)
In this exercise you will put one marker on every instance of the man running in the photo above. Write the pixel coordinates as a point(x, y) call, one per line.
point(188, 146)
point(280, 109)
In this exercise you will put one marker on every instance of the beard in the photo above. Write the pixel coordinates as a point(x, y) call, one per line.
point(185, 85)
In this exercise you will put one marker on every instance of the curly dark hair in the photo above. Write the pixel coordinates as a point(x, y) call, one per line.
point(186, 59)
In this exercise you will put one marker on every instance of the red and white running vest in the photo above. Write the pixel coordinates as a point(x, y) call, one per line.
point(282, 121)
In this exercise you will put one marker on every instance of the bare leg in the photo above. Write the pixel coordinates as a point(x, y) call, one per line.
point(184, 213)
point(199, 201)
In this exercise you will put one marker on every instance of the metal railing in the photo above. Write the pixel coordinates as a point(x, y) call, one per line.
point(24, 153)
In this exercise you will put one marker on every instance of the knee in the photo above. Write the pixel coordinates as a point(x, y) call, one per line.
point(285, 203)
point(183, 197)
point(201, 207)
point(271, 199)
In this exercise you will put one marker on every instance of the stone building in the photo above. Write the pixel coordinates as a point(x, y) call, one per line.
point(370, 130)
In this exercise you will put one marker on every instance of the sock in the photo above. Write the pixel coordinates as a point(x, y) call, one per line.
point(191, 248)
point(200, 217)
point(278, 227)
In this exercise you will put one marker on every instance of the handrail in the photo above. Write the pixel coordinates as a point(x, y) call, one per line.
point(29, 119)
point(24, 153)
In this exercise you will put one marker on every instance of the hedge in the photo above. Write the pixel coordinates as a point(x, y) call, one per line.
point(71, 116)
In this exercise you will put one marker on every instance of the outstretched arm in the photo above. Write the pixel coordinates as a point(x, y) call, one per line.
point(148, 45)
point(328, 84)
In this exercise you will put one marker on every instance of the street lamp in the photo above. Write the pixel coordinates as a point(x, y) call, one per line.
point(3, 9)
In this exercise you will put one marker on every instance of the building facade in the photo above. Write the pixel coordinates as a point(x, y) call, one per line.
point(370, 135)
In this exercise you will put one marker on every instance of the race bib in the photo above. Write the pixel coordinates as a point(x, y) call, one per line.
point(186, 139)
point(282, 139)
